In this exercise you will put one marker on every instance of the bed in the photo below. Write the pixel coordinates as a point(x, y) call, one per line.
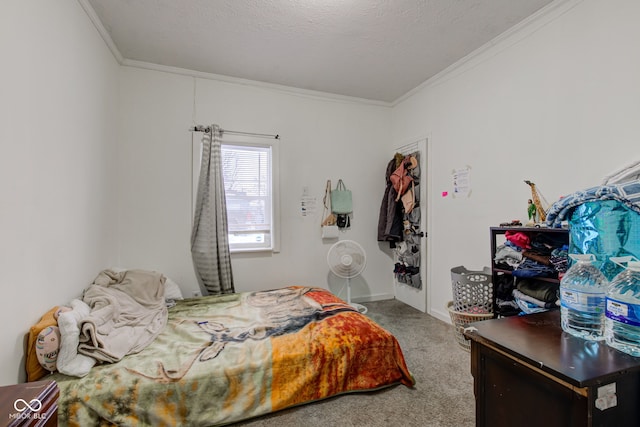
point(223, 359)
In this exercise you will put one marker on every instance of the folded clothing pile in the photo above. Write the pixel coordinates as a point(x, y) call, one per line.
point(531, 257)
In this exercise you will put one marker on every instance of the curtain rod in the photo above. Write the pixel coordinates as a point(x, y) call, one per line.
point(207, 129)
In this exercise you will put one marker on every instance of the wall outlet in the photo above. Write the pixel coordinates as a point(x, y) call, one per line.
point(197, 294)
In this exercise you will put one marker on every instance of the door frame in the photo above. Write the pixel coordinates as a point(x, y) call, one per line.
point(419, 298)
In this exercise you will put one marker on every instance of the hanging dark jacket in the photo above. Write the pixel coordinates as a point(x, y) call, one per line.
point(390, 219)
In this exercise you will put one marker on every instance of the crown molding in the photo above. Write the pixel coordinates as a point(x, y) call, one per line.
point(254, 83)
point(512, 36)
point(93, 16)
point(505, 40)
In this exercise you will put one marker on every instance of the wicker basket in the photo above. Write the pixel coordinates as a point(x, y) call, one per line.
point(472, 290)
point(460, 320)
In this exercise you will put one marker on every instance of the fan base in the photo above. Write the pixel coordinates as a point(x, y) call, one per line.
point(361, 308)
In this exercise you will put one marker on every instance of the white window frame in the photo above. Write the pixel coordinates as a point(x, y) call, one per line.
point(274, 232)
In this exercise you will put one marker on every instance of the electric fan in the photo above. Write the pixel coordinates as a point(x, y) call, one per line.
point(347, 260)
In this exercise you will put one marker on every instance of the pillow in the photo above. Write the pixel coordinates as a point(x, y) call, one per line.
point(35, 371)
point(172, 290)
point(47, 346)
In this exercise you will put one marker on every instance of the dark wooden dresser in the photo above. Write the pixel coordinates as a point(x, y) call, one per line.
point(528, 372)
point(29, 404)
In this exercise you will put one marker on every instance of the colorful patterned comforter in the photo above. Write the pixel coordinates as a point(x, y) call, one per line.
point(227, 358)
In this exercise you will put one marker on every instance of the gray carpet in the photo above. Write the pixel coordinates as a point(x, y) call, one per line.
point(442, 396)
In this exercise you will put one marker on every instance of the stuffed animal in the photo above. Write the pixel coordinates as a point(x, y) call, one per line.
point(47, 346)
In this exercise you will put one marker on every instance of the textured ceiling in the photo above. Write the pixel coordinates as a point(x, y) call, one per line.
point(373, 49)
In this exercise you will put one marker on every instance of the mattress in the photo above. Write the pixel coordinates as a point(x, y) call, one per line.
point(222, 359)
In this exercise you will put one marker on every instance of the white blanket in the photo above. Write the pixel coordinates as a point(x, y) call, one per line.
point(121, 313)
point(128, 311)
point(69, 362)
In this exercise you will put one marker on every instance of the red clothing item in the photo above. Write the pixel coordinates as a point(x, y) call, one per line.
point(519, 239)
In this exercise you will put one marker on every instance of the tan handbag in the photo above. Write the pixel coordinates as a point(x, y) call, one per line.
point(329, 227)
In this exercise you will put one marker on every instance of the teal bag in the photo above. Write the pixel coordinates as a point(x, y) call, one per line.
point(341, 199)
point(605, 228)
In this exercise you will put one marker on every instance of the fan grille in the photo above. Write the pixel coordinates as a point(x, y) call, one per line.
point(346, 259)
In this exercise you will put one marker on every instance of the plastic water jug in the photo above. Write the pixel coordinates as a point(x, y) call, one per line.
point(582, 299)
point(622, 321)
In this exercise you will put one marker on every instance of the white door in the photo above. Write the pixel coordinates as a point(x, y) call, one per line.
point(412, 287)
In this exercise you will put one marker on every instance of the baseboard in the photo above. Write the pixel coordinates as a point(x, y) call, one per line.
point(370, 298)
point(441, 315)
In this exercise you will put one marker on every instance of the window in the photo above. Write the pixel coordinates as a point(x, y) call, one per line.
point(250, 173)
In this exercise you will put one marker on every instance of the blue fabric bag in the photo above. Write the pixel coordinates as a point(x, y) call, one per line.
point(607, 228)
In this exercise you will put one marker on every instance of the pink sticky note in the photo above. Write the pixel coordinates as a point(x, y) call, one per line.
point(445, 193)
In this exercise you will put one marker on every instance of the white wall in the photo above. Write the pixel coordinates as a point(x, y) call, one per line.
point(320, 139)
point(57, 158)
point(556, 103)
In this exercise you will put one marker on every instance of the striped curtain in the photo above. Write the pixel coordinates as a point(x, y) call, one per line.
point(209, 237)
